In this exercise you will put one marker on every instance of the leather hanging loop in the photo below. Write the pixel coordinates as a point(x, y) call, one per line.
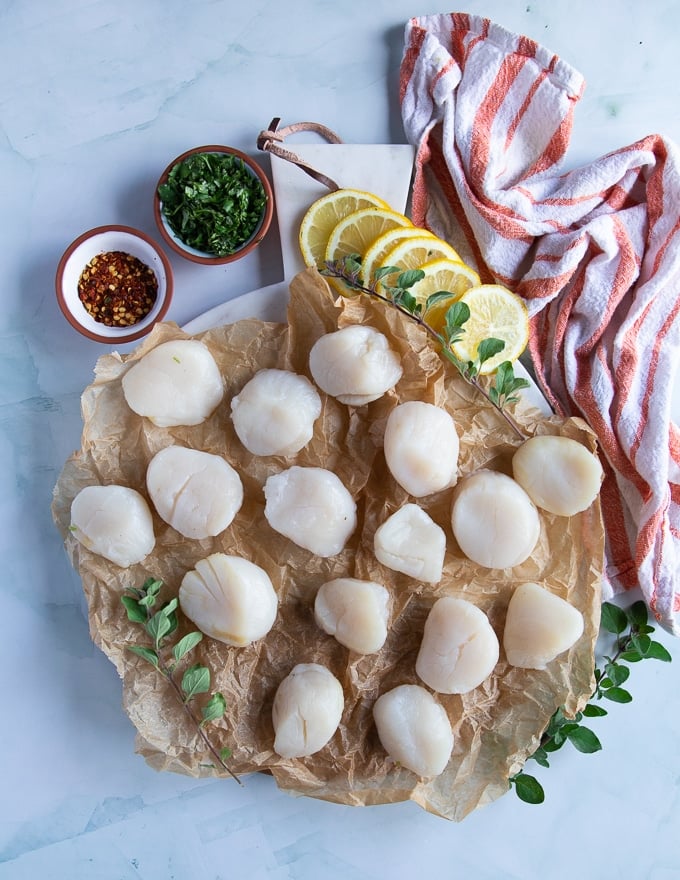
point(270, 140)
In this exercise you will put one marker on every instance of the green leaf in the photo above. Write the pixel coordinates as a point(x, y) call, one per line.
point(593, 711)
point(637, 613)
point(163, 622)
point(617, 695)
point(146, 653)
point(135, 613)
point(410, 277)
point(436, 297)
point(584, 740)
point(385, 270)
point(617, 673)
point(225, 754)
point(658, 652)
point(456, 315)
point(641, 644)
point(196, 680)
point(541, 757)
point(406, 300)
point(528, 788)
point(489, 348)
point(613, 618)
point(186, 644)
point(632, 656)
point(214, 708)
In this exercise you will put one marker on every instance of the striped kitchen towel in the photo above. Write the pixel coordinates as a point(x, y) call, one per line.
point(594, 251)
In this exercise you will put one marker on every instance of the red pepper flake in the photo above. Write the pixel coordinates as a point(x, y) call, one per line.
point(117, 289)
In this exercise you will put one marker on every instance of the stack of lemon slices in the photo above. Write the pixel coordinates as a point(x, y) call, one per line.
point(353, 222)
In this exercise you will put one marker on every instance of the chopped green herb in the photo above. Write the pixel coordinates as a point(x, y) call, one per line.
point(212, 202)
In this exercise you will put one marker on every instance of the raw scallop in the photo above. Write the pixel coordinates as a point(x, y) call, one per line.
point(307, 709)
point(421, 447)
point(176, 383)
point(494, 520)
point(559, 474)
point(355, 612)
point(195, 492)
point(114, 522)
point(459, 647)
point(539, 626)
point(354, 364)
point(414, 729)
point(312, 507)
point(229, 599)
point(411, 542)
point(274, 413)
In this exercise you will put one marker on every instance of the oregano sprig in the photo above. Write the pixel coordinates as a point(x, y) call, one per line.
point(159, 624)
point(506, 385)
point(632, 644)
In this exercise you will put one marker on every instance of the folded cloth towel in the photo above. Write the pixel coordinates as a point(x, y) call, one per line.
point(594, 251)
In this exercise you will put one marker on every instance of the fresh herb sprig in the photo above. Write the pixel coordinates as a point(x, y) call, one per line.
point(159, 625)
point(632, 644)
point(504, 389)
point(212, 202)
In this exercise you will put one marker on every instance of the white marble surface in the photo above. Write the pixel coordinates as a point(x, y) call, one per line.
point(95, 97)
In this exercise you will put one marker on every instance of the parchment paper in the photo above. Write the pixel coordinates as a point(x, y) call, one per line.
point(496, 726)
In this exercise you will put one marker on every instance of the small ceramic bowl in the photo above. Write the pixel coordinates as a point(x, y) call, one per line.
point(197, 256)
point(103, 240)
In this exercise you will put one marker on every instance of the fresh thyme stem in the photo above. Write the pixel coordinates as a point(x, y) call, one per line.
point(159, 625)
point(163, 668)
point(338, 270)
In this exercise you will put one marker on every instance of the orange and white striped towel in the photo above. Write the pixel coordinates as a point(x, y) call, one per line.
point(594, 251)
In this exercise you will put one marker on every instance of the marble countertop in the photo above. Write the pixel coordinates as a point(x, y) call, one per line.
point(95, 97)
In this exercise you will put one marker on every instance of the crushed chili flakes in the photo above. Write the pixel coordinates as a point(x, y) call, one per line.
point(117, 289)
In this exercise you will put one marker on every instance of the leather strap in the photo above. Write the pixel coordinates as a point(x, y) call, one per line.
point(270, 140)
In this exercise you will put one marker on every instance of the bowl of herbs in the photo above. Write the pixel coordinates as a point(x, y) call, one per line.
point(213, 204)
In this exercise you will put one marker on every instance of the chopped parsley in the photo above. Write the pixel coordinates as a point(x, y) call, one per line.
point(212, 202)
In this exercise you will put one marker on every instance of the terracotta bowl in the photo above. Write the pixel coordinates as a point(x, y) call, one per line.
point(102, 240)
point(196, 256)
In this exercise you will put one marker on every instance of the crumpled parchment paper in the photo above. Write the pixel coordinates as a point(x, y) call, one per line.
point(496, 726)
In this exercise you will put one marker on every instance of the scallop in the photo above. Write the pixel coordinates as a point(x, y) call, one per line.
point(421, 447)
point(539, 626)
point(195, 492)
point(355, 364)
point(274, 413)
point(494, 521)
point(459, 647)
point(311, 507)
point(414, 729)
point(409, 541)
point(176, 383)
point(559, 474)
point(355, 612)
point(114, 522)
point(230, 599)
point(307, 709)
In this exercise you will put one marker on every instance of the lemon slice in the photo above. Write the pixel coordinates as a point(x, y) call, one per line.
point(355, 233)
point(376, 252)
point(413, 253)
point(443, 275)
point(494, 312)
point(321, 216)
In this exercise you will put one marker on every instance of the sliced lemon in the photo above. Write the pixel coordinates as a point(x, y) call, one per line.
point(376, 252)
point(447, 276)
point(495, 312)
point(321, 216)
point(413, 253)
point(355, 233)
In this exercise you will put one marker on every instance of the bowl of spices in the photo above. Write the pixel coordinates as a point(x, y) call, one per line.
point(113, 284)
point(213, 204)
